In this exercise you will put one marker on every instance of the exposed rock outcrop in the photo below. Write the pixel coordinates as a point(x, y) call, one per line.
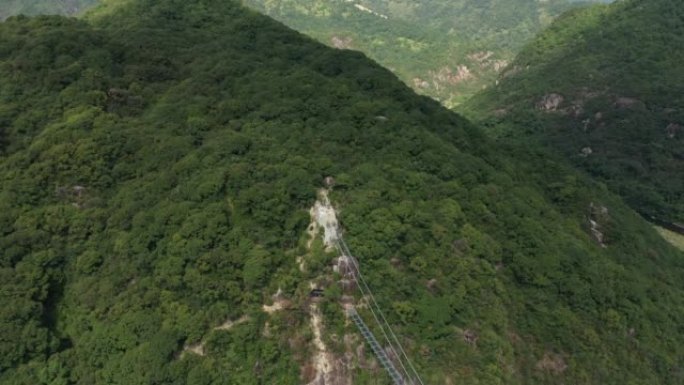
point(672, 130)
point(420, 83)
point(279, 303)
point(550, 102)
point(626, 103)
point(340, 42)
point(598, 218)
point(585, 152)
point(552, 363)
point(449, 76)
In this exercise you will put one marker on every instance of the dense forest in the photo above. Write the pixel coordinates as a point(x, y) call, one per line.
point(158, 162)
point(604, 88)
point(447, 49)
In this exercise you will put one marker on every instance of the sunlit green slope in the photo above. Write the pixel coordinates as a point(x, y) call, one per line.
point(604, 88)
point(447, 49)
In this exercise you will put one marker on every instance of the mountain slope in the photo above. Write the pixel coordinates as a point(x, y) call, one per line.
point(42, 7)
point(158, 164)
point(604, 87)
point(447, 49)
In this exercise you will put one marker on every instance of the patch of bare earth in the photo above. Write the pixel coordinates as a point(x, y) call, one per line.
point(321, 365)
point(198, 347)
point(228, 324)
point(552, 363)
point(279, 303)
point(325, 367)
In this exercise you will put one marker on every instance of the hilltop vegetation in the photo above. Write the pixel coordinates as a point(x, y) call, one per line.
point(447, 49)
point(158, 162)
point(604, 87)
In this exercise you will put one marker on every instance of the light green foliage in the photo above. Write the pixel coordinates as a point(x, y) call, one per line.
point(447, 49)
point(159, 161)
point(672, 237)
point(42, 7)
point(618, 69)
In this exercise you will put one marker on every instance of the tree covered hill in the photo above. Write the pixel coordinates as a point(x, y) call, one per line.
point(158, 162)
point(42, 7)
point(447, 49)
point(604, 87)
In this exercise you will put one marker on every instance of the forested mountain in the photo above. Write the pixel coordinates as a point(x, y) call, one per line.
point(447, 49)
point(42, 7)
point(159, 159)
point(604, 87)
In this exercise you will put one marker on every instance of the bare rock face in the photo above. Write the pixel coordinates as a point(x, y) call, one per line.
point(323, 216)
point(480, 56)
point(586, 151)
point(598, 218)
point(672, 129)
point(499, 113)
point(448, 76)
point(470, 336)
point(553, 363)
point(420, 83)
point(576, 110)
point(76, 194)
point(550, 102)
point(626, 103)
point(499, 65)
point(340, 42)
point(512, 71)
point(485, 59)
point(462, 73)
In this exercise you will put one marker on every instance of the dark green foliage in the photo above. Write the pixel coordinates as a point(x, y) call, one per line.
point(619, 71)
point(161, 158)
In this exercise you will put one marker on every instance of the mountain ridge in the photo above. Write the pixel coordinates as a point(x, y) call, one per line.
point(445, 49)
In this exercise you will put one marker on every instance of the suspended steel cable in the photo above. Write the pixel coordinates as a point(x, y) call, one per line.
point(367, 293)
point(346, 251)
point(359, 281)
